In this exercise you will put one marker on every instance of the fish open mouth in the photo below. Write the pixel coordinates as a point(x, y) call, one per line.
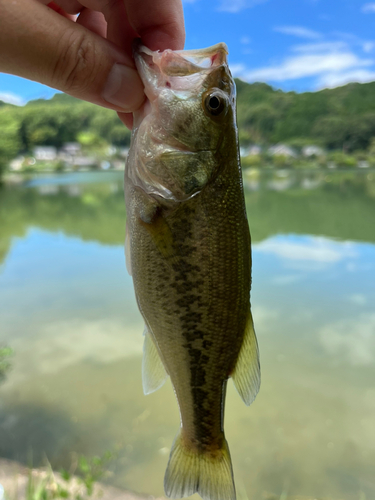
point(159, 70)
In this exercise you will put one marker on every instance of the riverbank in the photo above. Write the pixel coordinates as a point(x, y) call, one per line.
point(15, 478)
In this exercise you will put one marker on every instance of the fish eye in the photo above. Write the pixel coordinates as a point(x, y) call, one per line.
point(215, 103)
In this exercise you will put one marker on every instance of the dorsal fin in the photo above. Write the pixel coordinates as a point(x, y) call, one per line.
point(246, 374)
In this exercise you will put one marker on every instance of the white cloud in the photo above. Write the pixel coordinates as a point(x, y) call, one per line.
point(330, 63)
point(69, 342)
point(11, 98)
point(298, 31)
point(358, 299)
point(245, 40)
point(307, 248)
point(368, 7)
point(235, 6)
point(286, 279)
point(237, 69)
point(308, 65)
point(333, 80)
point(353, 339)
point(368, 46)
point(320, 47)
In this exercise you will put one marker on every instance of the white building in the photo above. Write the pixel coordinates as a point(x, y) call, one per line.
point(254, 150)
point(282, 150)
point(312, 151)
point(71, 148)
point(363, 164)
point(45, 153)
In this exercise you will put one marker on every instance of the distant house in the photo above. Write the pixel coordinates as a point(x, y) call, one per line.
point(363, 164)
point(282, 150)
point(85, 161)
point(254, 150)
point(71, 148)
point(45, 153)
point(312, 151)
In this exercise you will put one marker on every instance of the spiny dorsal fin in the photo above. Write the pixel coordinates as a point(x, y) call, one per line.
point(153, 371)
point(246, 374)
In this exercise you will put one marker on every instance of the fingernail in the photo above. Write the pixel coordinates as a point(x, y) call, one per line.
point(124, 88)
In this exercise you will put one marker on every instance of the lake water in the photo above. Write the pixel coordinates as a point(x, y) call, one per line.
point(67, 308)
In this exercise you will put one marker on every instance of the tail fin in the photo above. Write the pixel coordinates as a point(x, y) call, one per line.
point(190, 471)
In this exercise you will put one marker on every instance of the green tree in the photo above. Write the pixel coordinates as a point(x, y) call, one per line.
point(9, 137)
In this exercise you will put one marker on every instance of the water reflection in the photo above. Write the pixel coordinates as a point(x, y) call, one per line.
point(67, 308)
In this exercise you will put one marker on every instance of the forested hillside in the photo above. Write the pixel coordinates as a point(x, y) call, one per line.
point(341, 118)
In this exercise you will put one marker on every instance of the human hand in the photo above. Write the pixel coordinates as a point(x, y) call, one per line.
point(89, 56)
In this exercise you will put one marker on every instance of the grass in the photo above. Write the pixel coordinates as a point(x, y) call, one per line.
point(79, 483)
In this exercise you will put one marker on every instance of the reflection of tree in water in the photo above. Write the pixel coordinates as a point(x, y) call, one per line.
point(40, 419)
point(30, 432)
point(91, 212)
point(335, 205)
point(5, 365)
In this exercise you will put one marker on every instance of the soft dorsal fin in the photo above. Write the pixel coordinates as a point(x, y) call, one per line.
point(246, 374)
point(153, 372)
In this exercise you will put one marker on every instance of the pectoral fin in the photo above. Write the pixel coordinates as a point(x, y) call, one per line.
point(187, 173)
point(153, 371)
point(246, 374)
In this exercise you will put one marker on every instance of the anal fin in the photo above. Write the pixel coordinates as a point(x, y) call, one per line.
point(246, 374)
point(153, 372)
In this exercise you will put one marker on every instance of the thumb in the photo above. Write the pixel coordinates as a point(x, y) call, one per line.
point(38, 44)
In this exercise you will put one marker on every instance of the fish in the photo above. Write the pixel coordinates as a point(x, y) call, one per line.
point(188, 250)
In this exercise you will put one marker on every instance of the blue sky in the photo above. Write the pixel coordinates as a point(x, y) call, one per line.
point(301, 45)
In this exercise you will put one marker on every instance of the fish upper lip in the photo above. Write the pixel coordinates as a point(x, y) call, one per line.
point(193, 60)
point(157, 68)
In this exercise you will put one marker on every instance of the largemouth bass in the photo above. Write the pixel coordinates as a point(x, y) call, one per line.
point(188, 250)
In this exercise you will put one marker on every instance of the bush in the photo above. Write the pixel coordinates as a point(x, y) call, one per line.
point(282, 161)
point(251, 161)
point(343, 160)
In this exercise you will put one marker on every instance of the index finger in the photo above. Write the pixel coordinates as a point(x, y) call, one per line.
point(159, 23)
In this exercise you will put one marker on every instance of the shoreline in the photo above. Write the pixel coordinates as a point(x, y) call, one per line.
point(14, 478)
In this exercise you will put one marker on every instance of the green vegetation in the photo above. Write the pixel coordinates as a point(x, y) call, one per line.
point(341, 121)
point(54, 122)
point(77, 484)
point(341, 118)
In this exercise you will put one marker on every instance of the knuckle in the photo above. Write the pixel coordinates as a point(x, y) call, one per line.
point(75, 66)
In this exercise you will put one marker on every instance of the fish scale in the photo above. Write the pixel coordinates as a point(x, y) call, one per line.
point(188, 249)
